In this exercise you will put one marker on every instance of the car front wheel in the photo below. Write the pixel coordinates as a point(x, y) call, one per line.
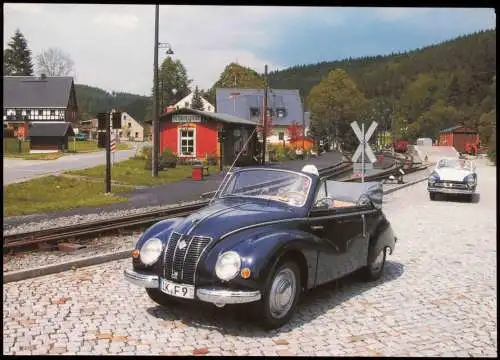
point(280, 296)
point(374, 269)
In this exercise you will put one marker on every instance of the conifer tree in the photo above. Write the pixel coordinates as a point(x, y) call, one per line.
point(17, 57)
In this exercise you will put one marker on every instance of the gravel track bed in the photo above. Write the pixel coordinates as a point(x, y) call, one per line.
point(78, 219)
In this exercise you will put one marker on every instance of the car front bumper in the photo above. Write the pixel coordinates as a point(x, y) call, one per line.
point(444, 190)
point(217, 296)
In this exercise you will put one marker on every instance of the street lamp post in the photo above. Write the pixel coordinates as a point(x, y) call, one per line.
point(156, 102)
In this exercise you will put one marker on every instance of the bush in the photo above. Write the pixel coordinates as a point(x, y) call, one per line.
point(277, 152)
point(212, 159)
point(145, 153)
point(168, 159)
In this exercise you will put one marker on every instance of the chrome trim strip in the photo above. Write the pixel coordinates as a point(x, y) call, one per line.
point(185, 254)
point(173, 257)
point(166, 252)
point(451, 191)
point(210, 214)
point(224, 296)
point(308, 219)
point(210, 239)
point(147, 281)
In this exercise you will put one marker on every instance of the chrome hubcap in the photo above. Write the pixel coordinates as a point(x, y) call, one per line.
point(379, 260)
point(282, 293)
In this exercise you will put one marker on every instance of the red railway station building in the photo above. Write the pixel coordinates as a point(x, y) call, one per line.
point(194, 134)
point(460, 137)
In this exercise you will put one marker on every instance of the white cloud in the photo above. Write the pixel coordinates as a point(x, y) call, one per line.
point(124, 21)
point(396, 14)
point(24, 8)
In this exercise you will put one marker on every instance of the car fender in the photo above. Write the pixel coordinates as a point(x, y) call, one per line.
point(159, 229)
point(382, 237)
point(261, 249)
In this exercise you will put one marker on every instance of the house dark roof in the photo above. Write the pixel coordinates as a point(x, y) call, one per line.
point(35, 92)
point(227, 118)
point(58, 129)
point(252, 98)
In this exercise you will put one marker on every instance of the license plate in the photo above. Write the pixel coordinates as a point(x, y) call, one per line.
point(178, 290)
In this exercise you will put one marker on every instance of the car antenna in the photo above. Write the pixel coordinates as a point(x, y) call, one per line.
point(232, 165)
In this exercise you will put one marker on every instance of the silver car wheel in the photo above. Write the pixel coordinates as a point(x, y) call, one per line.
point(282, 293)
point(378, 262)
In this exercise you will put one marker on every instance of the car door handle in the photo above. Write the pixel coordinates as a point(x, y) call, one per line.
point(317, 227)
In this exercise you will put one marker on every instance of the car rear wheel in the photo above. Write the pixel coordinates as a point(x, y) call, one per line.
point(280, 295)
point(374, 269)
point(160, 298)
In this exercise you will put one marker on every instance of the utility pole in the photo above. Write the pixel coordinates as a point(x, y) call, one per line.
point(108, 153)
point(156, 132)
point(303, 129)
point(264, 131)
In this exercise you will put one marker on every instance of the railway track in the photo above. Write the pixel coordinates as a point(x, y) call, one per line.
point(87, 229)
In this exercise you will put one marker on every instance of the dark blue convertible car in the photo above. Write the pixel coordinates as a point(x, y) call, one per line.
point(268, 236)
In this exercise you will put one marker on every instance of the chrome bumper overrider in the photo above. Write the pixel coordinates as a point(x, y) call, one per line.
point(451, 191)
point(147, 281)
point(216, 296)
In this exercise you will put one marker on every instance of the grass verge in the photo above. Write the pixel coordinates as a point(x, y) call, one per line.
point(132, 172)
point(56, 193)
point(47, 156)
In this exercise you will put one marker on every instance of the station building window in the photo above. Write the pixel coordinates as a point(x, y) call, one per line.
point(186, 141)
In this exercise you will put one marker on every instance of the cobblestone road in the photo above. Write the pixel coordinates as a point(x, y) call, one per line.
point(437, 297)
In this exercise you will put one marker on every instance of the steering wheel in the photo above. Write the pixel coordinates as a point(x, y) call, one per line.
point(326, 201)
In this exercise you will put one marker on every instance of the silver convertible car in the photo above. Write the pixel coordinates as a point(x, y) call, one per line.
point(453, 176)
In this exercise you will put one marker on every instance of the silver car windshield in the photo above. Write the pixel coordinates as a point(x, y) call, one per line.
point(454, 164)
point(284, 186)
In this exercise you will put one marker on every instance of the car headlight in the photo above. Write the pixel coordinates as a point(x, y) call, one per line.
point(433, 178)
point(150, 251)
point(228, 265)
point(470, 180)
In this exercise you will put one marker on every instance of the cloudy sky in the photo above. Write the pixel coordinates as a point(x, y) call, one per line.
point(112, 45)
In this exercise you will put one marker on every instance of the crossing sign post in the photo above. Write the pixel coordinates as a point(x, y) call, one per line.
point(363, 147)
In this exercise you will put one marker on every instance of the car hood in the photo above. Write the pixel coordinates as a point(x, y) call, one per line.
point(452, 174)
point(231, 214)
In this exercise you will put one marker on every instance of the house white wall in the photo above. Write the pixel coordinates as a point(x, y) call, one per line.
point(136, 129)
point(186, 103)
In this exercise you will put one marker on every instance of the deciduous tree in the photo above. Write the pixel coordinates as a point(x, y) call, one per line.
point(54, 62)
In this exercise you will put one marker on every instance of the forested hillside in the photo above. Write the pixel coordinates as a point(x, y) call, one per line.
point(92, 100)
point(423, 91)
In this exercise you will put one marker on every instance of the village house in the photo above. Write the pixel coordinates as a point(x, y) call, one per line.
point(187, 101)
point(43, 99)
point(285, 106)
point(131, 129)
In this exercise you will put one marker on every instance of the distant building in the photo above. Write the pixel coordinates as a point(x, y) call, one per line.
point(131, 129)
point(49, 136)
point(286, 109)
point(188, 100)
point(459, 136)
point(44, 98)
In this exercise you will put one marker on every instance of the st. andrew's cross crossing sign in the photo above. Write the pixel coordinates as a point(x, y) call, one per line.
point(363, 147)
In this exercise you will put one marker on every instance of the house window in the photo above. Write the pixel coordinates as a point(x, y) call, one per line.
point(254, 111)
point(136, 134)
point(186, 141)
point(120, 133)
point(18, 112)
point(40, 112)
point(129, 124)
point(28, 112)
point(52, 112)
point(186, 104)
point(281, 136)
point(125, 117)
point(281, 113)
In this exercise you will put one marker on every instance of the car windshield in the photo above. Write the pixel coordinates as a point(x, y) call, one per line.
point(454, 164)
point(284, 186)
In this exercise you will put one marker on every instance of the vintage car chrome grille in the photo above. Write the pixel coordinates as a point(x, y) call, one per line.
point(182, 255)
point(452, 184)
